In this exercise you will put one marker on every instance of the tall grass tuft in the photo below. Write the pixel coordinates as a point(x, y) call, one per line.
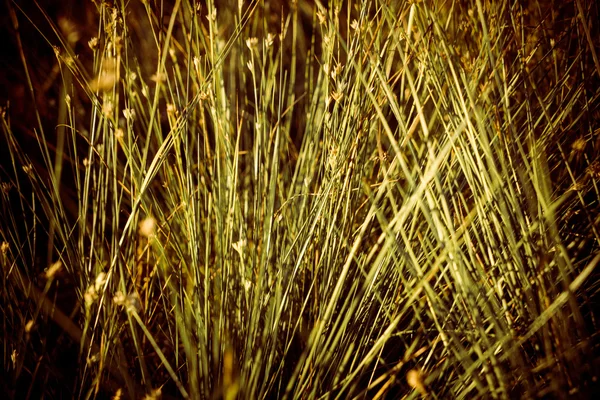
point(296, 200)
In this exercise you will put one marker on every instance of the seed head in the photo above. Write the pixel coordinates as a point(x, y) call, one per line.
point(147, 227)
point(53, 270)
point(414, 377)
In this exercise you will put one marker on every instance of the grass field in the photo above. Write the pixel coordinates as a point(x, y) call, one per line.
point(264, 199)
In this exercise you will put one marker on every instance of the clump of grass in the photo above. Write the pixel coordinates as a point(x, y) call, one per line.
point(268, 200)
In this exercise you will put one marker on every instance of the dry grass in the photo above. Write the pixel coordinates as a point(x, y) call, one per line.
point(373, 199)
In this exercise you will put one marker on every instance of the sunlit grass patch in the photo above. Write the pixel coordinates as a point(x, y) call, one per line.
point(370, 199)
